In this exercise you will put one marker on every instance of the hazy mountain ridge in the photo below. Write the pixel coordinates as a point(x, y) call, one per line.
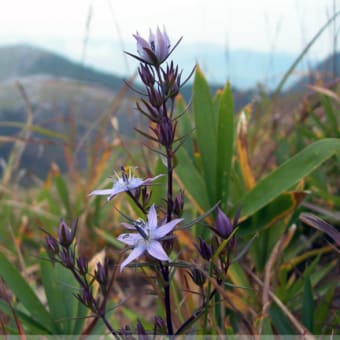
point(24, 60)
point(61, 91)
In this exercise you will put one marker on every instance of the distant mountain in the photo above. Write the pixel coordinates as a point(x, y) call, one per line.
point(23, 60)
point(66, 98)
point(69, 98)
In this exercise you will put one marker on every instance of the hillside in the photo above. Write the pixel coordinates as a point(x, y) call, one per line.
point(69, 98)
point(23, 60)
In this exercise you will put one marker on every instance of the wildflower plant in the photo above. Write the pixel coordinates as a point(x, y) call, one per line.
point(152, 234)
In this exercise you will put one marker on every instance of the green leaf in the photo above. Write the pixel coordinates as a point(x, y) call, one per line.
point(25, 294)
point(322, 309)
point(225, 145)
point(31, 325)
point(288, 174)
point(63, 194)
point(307, 304)
point(281, 206)
point(60, 285)
point(280, 321)
point(192, 180)
point(332, 121)
point(203, 111)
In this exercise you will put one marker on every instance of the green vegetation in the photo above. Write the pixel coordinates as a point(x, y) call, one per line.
point(273, 167)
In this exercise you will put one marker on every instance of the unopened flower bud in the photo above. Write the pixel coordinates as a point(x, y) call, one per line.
point(86, 298)
point(65, 234)
point(82, 265)
point(51, 245)
point(172, 80)
point(159, 325)
point(197, 276)
point(146, 75)
point(167, 131)
point(204, 249)
point(67, 258)
point(179, 204)
point(155, 97)
point(141, 331)
point(101, 274)
point(223, 225)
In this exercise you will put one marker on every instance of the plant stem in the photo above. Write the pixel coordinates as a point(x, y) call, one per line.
point(165, 269)
point(136, 202)
point(170, 183)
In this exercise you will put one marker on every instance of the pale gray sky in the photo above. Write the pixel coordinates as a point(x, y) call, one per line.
point(261, 25)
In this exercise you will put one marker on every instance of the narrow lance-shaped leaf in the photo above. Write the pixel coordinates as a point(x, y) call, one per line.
point(205, 130)
point(225, 144)
point(288, 174)
point(24, 292)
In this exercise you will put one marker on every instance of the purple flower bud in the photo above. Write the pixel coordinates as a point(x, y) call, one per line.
point(197, 276)
point(167, 132)
point(223, 225)
point(86, 298)
point(65, 234)
point(67, 258)
point(204, 249)
point(51, 245)
point(159, 325)
point(146, 74)
point(155, 97)
point(141, 331)
point(179, 204)
point(101, 274)
point(82, 265)
point(172, 80)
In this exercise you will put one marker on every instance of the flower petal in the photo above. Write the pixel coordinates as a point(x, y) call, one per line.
point(149, 180)
point(155, 249)
point(134, 183)
point(130, 239)
point(136, 252)
point(128, 226)
point(162, 44)
point(152, 218)
point(101, 192)
point(165, 229)
point(141, 43)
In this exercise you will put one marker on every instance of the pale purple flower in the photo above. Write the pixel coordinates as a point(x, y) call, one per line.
point(156, 49)
point(147, 237)
point(125, 182)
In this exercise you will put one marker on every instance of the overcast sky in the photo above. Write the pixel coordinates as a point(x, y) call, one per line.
point(262, 25)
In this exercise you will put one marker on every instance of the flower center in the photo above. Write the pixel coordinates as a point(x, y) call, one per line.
point(152, 44)
point(140, 227)
point(124, 175)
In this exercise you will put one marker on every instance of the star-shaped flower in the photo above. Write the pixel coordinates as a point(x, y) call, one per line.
point(147, 237)
point(156, 49)
point(125, 182)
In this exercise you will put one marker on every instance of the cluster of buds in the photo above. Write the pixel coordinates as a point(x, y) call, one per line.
point(218, 252)
point(162, 84)
point(62, 250)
